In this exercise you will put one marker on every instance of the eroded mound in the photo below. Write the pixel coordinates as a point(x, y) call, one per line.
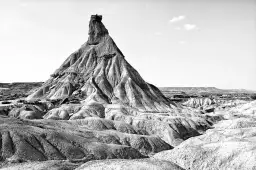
point(199, 102)
point(80, 140)
point(173, 128)
point(230, 145)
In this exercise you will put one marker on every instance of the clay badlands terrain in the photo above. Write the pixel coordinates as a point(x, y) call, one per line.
point(96, 112)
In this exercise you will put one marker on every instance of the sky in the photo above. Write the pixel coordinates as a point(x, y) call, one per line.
point(169, 42)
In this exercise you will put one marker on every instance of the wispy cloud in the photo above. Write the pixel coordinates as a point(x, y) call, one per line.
point(190, 27)
point(179, 26)
point(176, 19)
point(187, 27)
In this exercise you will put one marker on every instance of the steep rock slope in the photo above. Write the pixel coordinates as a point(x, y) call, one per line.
point(99, 72)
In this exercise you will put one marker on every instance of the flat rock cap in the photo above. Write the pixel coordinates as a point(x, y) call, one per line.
point(96, 17)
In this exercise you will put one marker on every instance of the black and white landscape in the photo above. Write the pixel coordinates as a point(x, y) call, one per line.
point(97, 112)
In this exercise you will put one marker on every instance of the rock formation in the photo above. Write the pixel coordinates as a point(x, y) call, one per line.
point(99, 72)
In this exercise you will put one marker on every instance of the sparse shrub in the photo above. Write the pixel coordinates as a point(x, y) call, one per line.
point(6, 102)
point(253, 96)
point(21, 101)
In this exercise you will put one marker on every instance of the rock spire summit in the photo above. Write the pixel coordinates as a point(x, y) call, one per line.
point(97, 29)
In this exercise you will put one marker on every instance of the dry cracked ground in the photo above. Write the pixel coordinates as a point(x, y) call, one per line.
point(97, 112)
